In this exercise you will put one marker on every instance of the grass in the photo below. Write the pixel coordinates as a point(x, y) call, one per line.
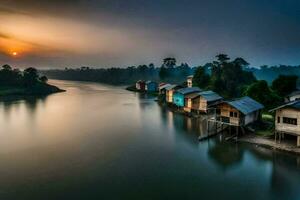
point(267, 117)
point(266, 126)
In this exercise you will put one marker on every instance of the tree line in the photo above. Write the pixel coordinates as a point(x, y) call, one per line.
point(168, 71)
point(232, 78)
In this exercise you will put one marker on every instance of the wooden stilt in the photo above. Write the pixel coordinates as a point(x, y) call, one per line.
point(207, 127)
point(298, 141)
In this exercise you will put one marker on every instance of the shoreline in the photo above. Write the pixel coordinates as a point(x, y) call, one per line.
point(269, 143)
point(21, 92)
point(250, 138)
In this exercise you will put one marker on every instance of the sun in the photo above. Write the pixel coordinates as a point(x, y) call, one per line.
point(14, 53)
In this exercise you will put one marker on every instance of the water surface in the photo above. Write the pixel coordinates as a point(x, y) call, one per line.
point(102, 142)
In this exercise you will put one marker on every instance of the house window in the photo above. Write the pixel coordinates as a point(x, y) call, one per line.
point(218, 111)
point(233, 114)
point(278, 120)
point(288, 120)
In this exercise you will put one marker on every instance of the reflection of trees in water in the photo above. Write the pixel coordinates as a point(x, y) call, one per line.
point(225, 154)
point(31, 103)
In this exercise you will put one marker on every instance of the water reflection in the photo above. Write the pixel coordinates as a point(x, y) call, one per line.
point(104, 142)
point(225, 154)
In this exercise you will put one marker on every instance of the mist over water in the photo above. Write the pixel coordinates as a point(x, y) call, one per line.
point(98, 141)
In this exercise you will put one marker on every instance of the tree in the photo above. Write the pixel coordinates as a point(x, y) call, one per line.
point(169, 62)
point(7, 67)
point(285, 84)
point(30, 76)
point(163, 73)
point(201, 78)
point(261, 92)
point(222, 58)
point(229, 78)
point(44, 79)
point(241, 62)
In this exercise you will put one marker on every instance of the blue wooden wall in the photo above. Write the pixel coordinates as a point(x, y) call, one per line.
point(178, 99)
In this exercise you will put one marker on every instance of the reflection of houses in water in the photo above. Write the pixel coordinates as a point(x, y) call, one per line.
point(193, 126)
point(225, 154)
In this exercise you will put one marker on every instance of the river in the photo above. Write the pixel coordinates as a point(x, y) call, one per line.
point(102, 142)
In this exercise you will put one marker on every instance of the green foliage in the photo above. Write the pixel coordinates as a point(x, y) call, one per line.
point(284, 84)
point(261, 92)
point(201, 78)
point(163, 73)
point(228, 77)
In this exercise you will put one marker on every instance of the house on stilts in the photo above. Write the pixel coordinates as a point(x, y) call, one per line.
point(240, 112)
point(287, 121)
point(179, 97)
point(200, 102)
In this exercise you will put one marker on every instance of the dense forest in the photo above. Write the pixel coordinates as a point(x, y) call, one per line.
point(27, 82)
point(232, 78)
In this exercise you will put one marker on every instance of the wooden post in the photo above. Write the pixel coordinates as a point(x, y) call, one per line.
point(279, 137)
point(275, 133)
point(207, 127)
point(298, 141)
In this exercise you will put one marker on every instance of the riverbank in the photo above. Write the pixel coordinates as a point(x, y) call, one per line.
point(39, 89)
point(268, 142)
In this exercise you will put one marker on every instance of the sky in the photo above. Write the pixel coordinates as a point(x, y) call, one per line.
point(119, 33)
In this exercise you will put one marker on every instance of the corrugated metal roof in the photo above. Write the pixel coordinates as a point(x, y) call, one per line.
point(246, 105)
point(293, 104)
point(148, 82)
point(192, 95)
point(170, 87)
point(210, 95)
point(189, 90)
point(164, 86)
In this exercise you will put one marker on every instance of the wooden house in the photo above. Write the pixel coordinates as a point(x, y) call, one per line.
point(201, 101)
point(151, 86)
point(293, 96)
point(287, 120)
point(179, 96)
point(189, 81)
point(240, 112)
point(170, 90)
point(140, 85)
